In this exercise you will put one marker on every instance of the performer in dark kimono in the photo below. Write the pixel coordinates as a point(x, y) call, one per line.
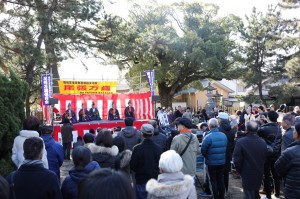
point(94, 113)
point(70, 114)
point(129, 111)
point(113, 113)
point(84, 115)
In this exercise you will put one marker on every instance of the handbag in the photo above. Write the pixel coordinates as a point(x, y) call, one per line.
point(270, 147)
point(187, 145)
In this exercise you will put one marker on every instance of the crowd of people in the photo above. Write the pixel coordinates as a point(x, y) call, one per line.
point(262, 145)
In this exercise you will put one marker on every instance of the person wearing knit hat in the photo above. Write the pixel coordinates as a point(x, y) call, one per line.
point(186, 145)
point(144, 161)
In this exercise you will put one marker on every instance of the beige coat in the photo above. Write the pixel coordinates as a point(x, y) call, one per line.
point(189, 157)
point(171, 186)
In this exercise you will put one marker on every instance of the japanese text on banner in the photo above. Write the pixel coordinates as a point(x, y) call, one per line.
point(46, 89)
point(87, 87)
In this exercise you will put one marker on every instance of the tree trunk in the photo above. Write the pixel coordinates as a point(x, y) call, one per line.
point(166, 95)
point(52, 61)
point(261, 94)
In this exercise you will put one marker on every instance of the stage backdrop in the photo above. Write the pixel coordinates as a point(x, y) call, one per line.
point(141, 102)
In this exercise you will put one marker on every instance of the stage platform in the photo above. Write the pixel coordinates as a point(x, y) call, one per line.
point(83, 127)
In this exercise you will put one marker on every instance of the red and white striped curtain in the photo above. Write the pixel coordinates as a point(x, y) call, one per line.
point(141, 102)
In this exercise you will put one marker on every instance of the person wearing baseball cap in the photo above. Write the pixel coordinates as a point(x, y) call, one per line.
point(186, 145)
point(145, 160)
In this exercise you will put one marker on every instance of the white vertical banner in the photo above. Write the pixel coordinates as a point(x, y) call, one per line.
point(100, 108)
point(141, 109)
point(89, 104)
point(78, 107)
point(119, 108)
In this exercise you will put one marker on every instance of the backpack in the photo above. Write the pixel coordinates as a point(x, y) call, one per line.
point(274, 148)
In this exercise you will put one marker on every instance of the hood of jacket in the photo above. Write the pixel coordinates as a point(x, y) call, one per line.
point(129, 132)
point(169, 184)
point(28, 134)
point(48, 140)
point(126, 157)
point(225, 125)
point(186, 137)
point(112, 151)
point(77, 175)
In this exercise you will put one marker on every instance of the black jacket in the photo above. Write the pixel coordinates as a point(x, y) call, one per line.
point(35, 182)
point(268, 133)
point(249, 157)
point(160, 139)
point(288, 166)
point(230, 134)
point(66, 133)
point(177, 114)
point(144, 161)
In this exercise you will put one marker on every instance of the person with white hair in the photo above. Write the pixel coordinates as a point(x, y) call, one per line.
point(213, 150)
point(171, 183)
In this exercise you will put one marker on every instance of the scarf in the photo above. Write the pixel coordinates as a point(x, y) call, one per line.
point(185, 131)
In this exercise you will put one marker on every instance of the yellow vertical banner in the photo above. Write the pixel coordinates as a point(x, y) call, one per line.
point(87, 87)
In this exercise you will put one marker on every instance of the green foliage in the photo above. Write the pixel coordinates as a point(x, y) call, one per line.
point(284, 93)
point(194, 46)
point(267, 39)
point(12, 96)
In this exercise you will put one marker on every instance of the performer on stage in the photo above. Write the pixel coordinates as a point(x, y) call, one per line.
point(84, 114)
point(70, 114)
point(129, 111)
point(94, 113)
point(113, 113)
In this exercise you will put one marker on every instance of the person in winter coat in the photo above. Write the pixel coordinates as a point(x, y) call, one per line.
point(83, 165)
point(4, 188)
point(288, 121)
point(180, 142)
point(104, 152)
point(30, 129)
point(174, 132)
point(78, 143)
point(55, 153)
point(32, 180)
point(123, 158)
point(144, 161)
point(213, 150)
point(224, 127)
point(158, 138)
point(249, 158)
point(171, 183)
point(67, 137)
point(271, 133)
point(130, 135)
point(105, 184)
point(288, 166)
